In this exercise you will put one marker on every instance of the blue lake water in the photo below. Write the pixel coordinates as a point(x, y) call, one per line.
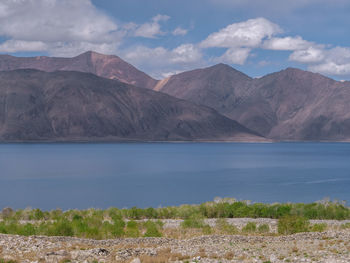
point(49, 176)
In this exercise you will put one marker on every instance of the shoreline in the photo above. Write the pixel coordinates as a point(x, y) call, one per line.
point(168, 142)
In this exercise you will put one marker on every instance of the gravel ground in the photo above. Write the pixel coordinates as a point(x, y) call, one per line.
point(330, 246)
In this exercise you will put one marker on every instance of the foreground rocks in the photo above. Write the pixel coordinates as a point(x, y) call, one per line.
point(330, 246)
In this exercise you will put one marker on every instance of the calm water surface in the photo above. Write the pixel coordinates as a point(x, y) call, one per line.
point(48, 176)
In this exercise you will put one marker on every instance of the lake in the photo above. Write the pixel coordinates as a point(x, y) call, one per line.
point(50, 176)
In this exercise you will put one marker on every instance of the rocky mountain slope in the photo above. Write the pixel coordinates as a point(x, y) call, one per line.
point(107, 66)
point(74, 106)
point(288, 105)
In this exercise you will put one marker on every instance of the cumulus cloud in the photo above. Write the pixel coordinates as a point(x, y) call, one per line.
point(249, 33)
point(240, 38)
point(321, 59)
point(331, 68)
point(68, 28)
point(159, 61)
point(10, 46)
point(151, 29)
point(336, 61)
point(50, 24)
point(234, 56)
point(286, 43)
point(183, 54)
point(179, 31)
point(62, 49)
point(186, 53)
point(309, 55)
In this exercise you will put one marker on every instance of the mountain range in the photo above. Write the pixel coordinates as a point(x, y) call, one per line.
point(288, 105)
point(107, 66)
point(98, 97)
point(76, 106)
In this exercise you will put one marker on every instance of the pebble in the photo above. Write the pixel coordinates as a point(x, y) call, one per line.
point(327, 247)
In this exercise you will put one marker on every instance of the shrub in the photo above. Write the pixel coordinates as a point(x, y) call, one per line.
point(6, 212)
point(132, 229)
point(152, 229)
point(250, 227)
point(38, 214)
point(61, 228)
point(207, 230)
point(319, 227)
point(264, 228)
point(345, 226)
point(27, 230)
point(225, 227)
point(293, 224)
point(193, 221)
point(118, 228)
point(7, 261)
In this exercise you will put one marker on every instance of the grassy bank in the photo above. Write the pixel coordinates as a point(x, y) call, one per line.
point(114, 222)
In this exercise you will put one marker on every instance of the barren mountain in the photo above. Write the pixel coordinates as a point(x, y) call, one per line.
point(71, 106)
point(107, 66)
point(288, 105)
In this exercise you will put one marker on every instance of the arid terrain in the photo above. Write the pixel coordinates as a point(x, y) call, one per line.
point(289, 105)
point(331, 245)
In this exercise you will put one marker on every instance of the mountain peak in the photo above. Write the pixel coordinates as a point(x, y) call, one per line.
point(133, 113)
point(94, 54)
point(222, 66)
point(107, 66)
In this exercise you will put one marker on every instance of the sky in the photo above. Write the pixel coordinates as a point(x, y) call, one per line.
point(165, 37)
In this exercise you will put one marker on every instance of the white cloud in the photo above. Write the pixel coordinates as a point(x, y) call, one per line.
point(336, 61)
point(286, 43)
point(309, 55)
point(249, 33)
point(159, 61)
point(71, 49)
point(234, 56)
point(183, 54)
point(55, 20)
point(186, 53)
point(179, 31)
point(339, 55)
point(329, 61)
point(50, 24)
point(10, 46)
point(331, 68)
point(151, 29)
point(159, 18)
point(170, 73)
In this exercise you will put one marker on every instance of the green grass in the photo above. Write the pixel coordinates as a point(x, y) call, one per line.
point(114, 222)
point(318, 227)
point(345, 226)
point(293, 224)
point(250, 227)
point(226, 208)
point(264, 228)
point(193, 221)
point(7, 261)
point(225, 227)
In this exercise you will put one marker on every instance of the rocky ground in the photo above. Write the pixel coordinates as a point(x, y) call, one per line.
point(330, 246)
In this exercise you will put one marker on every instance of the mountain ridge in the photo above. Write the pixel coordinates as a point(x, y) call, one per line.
point(291, 104)
point(77, 106)
point(107, 66)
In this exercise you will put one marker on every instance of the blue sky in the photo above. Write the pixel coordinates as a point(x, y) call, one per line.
point(164, 37)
